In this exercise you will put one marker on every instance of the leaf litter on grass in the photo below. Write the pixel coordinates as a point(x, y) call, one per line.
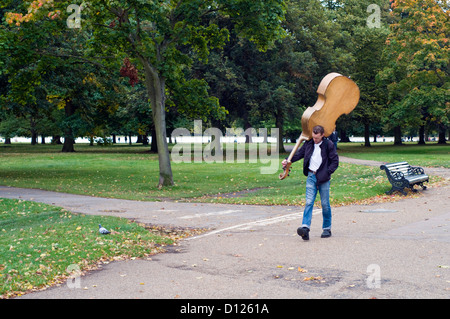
point(38, 242)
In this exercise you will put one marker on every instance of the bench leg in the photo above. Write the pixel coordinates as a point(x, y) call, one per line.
point(393, 189)
point(415, 190)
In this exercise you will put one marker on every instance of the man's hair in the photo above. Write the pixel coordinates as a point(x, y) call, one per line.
point(318, 129)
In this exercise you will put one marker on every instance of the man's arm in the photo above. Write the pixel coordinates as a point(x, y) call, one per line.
point(300, 154)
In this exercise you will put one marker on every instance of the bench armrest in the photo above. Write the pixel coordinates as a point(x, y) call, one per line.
point(417, 170)
point(394, 175)
point(397, 175)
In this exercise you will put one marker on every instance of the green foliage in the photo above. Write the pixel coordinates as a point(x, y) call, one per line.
point(165, 37)
point(261, 62)
point(417, 54)
point(11, 126)
point(193, 100)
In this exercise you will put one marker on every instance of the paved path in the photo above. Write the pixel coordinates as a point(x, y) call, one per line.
point(384, 250)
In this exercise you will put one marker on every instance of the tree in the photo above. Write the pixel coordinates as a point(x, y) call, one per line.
point(273, 88)
point(360, 32)
point(45, 67)
point(255, 87)
point(417, 75)
point(366, 42)
point(155, 34)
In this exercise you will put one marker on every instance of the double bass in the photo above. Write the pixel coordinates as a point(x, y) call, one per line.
point(337, 95)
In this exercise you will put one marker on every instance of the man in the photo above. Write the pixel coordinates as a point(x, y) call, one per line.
point(320, 161)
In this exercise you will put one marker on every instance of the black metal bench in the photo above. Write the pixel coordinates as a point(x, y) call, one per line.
point(401, 175)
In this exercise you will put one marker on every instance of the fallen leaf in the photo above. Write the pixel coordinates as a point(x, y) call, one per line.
point(312, 278)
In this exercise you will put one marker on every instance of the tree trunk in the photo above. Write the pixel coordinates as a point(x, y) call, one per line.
point(69, 140)
point(343, 136)
point(155, 85)
point(397, 135)
point(367, 135)
point(34, 135)
point(279, 122)
point(154, 146)
point(248, 137)
point(144, 140)
point(56, 139)
point(442, 130)
point(422, 135)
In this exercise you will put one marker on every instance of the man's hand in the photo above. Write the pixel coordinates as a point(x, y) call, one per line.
point(286, 169)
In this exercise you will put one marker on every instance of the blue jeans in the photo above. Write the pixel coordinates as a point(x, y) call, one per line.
point(311, 192)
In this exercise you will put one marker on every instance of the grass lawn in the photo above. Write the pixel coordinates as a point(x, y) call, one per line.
point(429, 155)
point(38, 242)
point(126, 172)
point(41, 245)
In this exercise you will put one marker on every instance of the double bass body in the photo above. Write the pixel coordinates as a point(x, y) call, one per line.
point(337, 95)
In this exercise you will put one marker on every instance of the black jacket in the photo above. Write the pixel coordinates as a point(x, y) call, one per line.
point(330, 159)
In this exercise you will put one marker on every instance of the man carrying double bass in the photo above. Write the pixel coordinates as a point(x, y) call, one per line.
point(320, 161)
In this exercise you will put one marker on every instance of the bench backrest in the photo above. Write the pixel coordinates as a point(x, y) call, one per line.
point(403, 167)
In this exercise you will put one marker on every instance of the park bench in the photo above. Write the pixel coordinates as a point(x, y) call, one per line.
point(401, 175)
